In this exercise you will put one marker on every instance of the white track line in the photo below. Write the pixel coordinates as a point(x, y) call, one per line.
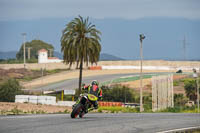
point(180, 129)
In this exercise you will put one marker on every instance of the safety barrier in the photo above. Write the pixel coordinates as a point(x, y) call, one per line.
point(49, 100)
point(65, 103)
point(119, 104)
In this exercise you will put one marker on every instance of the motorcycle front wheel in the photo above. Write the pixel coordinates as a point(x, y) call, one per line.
point(76, 110)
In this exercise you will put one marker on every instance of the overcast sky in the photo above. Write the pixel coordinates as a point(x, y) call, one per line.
point(125, 9)
point(164, 22)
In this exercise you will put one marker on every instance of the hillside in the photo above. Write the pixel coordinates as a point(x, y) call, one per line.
point(8, 55)
point(35, 46)
point(109, 57)
point(103, 56)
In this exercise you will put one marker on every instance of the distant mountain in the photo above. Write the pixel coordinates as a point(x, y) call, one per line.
point(12, 55)
point(103, 56)
point(57, 54)
point(109, 57)
point(8, 55)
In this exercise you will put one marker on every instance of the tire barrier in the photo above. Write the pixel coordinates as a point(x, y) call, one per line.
point(109, 104)
point(95, 68)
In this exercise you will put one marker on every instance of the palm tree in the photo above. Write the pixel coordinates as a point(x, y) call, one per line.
point(80, 42)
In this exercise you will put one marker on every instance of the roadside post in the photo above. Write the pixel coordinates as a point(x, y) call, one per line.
point(195, 75)
point(24, 35)
point(62, 95)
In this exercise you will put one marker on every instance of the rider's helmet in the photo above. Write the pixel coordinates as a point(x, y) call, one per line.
point(95, 82)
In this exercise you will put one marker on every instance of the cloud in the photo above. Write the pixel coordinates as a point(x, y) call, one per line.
point(125, 9)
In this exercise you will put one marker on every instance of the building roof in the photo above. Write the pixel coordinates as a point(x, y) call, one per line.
point(42, 50)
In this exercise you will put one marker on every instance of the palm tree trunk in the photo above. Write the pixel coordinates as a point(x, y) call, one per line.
point(80, 75)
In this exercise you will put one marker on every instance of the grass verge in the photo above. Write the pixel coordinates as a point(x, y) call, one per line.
point(118, 110)
point(178, 109)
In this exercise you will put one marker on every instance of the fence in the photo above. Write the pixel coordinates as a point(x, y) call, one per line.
point(162, 92)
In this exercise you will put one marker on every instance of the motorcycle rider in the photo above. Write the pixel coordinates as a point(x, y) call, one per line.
point(95, 90)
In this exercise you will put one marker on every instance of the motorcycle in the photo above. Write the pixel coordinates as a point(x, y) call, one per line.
point(82, 105)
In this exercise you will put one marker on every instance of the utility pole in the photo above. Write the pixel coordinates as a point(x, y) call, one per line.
point(24, 35)
point(195, 75)
point(198, 93)
point(142, 37)
point(50, 52)
point(29, 53)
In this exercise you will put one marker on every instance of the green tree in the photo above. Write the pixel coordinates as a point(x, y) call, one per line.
point(118, 93)
point(80, 42)
point(190, 89)
point(8, 90)
point(35, 46)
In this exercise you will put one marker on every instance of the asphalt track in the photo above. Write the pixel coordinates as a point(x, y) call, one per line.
point(98, 123)
point(73, 83)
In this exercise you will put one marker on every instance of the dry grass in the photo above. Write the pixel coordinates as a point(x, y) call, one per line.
point(147, 85)
point(7, 108)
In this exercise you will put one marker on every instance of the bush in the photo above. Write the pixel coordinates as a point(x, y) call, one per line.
point(190, 89)
point(118, 93)
point(180, 100)
point(176, 83)
point(179, 109)
point(9, 89)
point(147, 103)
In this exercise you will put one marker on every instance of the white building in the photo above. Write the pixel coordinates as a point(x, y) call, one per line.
point(43, 57)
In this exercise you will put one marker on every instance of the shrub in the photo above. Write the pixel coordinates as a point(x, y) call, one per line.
point(179, 109)
point(9, 89)
point(16, 111)
point(147, 103)
point(190, 89)
point(176, 83)
point(118, 93)
point(180, 100)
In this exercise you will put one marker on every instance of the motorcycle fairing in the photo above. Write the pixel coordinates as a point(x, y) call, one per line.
point(92, 97)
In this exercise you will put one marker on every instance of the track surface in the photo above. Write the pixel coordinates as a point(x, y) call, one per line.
point(98, 123)
point(73, 83)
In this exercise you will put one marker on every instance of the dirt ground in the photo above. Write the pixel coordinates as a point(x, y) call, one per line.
point(9, 108)
point(14, 73)
point(147, 84)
